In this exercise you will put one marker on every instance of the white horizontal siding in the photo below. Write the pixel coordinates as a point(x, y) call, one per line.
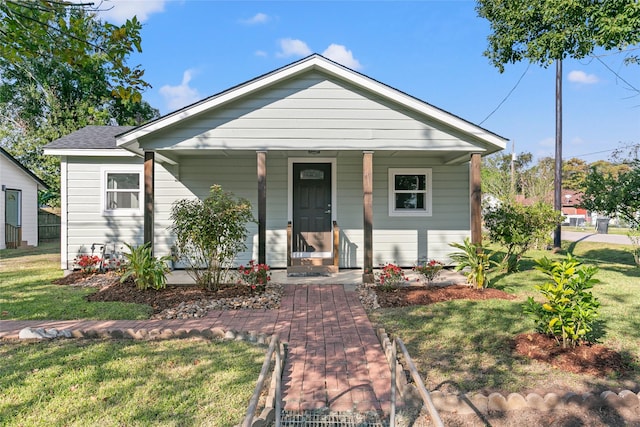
point(321, 113)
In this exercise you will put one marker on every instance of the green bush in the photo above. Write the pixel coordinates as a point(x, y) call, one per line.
point(210, 233)
point(475, 260)
point(520, 228)
point(146, 270)
point(570, 310)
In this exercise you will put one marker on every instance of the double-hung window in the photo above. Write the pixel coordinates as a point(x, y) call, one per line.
point(122, 192)
point(410, 192)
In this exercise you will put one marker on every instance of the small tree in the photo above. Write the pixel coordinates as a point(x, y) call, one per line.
point(519, 228)
point(210, 233)
point(570, 310)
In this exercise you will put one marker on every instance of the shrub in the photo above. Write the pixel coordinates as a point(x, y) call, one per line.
point(390, 277)
point(256, 276)
point(146, 270)
point(210, 233)
point(87, 263)
point(570, 310)
point(520, 228)
point(474, 258)
point(429, 269)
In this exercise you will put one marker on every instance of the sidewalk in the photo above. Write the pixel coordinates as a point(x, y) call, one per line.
point(334, 358)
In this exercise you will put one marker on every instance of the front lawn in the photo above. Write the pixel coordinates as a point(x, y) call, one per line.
point(26, 291)
point(124, 382)
point(467, 345)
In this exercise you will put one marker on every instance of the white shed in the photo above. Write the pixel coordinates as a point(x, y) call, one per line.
point(18, 203)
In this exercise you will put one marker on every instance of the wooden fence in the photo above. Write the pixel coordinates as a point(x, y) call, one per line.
point(48, 227)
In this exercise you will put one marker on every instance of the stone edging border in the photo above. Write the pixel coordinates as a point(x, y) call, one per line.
point(467, 404)
point(266, 417)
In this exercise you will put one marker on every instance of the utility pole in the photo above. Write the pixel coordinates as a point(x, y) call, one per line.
point(513, 169)
point(557, 193)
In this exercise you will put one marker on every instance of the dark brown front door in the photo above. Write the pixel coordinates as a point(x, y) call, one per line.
point(312, 208)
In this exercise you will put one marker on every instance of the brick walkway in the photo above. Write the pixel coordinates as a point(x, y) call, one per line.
point(334, 358)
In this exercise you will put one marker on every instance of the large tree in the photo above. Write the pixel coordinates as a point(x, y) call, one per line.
point(543, 31)
point(61, 68)
point(614, 195)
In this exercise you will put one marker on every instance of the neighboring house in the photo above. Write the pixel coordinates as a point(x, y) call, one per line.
point(18, 203)
point(341, 170)
point(574, 214)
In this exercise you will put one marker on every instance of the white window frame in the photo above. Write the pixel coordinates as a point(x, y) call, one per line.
point(103, 191)
point(427, 172)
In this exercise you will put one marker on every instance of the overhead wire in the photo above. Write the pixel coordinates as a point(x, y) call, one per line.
point(507, 96)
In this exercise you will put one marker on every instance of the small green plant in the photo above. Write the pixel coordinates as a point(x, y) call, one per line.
point(210, 233)
point(570, 310)
point(255, 275)
point(475, 262)
point(429, 269)
point(146, 270)
point(390, 277)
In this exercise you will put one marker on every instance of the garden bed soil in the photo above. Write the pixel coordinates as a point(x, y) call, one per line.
point(424, 295)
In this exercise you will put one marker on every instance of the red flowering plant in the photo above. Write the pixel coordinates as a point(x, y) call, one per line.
point(255, 275)
point(429, 269)
point(87, 263)
point(390, 277)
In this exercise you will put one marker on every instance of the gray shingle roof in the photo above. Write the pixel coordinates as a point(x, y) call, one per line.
point(90, 137)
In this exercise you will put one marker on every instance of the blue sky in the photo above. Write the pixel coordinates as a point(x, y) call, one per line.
point(429, 49)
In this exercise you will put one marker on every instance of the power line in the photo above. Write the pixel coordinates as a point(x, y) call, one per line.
point(617, 75)
point(507, 96)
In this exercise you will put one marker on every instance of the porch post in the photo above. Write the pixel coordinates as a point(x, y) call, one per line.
point(367, 206)
point(262, 206)
point(476, 199)
point(149, 175)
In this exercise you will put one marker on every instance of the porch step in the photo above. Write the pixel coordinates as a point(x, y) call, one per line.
point(311, 270)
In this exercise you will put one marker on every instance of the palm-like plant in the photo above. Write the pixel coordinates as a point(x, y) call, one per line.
point(477, 262)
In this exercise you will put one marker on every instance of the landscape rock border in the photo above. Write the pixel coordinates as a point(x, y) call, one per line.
point(474, 403)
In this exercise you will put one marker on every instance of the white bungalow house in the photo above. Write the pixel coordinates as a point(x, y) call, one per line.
point(18, 203)
point(342, 171)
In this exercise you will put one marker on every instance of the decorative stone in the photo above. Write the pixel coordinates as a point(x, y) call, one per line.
point(230, 335)
point(30, 334)
point(535, 401)
point(497, 402)
point(629, 399)
point(217, 333)
point(552, 401)
point(116, 334)
point(516, 401)
point(66, 333)
point(480, 402)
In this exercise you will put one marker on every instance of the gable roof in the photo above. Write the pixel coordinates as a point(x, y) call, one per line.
point(90, 137)
point(31, 175)
point(319, 63)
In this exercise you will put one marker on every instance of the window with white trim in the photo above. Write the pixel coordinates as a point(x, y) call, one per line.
point(410, 192)
point(122, 192)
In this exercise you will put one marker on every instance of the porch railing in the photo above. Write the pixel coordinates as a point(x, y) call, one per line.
point(12, 236)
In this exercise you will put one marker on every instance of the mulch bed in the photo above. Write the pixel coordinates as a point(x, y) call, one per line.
point(590, 359)
point(424, 295)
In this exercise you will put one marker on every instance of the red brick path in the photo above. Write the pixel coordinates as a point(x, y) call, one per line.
point(334, 357)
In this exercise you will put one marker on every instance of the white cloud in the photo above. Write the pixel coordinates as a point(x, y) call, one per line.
point(258, 18)
point(583, 78)
point(181, 95)
point(342, 55)
point(293, 47)
point(118, 11)
point(261, 53)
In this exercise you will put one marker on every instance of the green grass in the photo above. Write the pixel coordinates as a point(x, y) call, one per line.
point(466, 345)
point(26, 291)
point(124, 382)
